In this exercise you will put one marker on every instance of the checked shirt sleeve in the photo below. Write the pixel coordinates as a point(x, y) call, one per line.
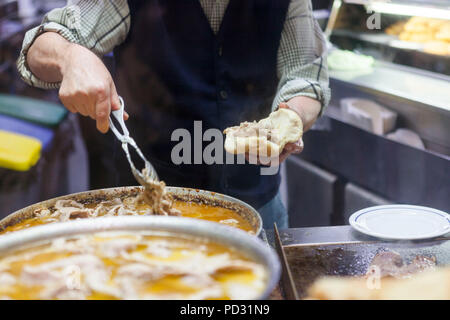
point(98, 25)
point(301, 65)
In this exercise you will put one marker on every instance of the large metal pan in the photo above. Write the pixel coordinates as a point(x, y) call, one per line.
point(184, 194)
point(250, 246)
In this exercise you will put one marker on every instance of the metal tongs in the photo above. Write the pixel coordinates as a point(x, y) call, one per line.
point(127, 140)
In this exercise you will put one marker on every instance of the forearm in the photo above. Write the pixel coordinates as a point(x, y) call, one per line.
point(302, 66)
point(97, 25)
point(46, 57)
point(307, 108)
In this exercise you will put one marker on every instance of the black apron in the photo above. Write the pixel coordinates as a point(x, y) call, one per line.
point(173, 70)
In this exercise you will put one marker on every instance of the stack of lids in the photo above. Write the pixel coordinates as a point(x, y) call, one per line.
point(26, 130)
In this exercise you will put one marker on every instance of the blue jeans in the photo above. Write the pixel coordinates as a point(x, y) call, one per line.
point(274, 211)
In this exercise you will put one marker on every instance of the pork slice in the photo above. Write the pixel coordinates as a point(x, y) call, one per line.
point(98, 209)
point(62, 291)
point(83, 261)
point(197, 280)
point(68, 204)
point(141, 271)
point(420, 264)
point(80, 214)
point(7, 279)
point(70, 209)
point(230, 222)
point(117, 247)
point(113, 211)
point(76, 246)
point(386, 263)
point(390, 264)
point(35, 275)
point(98, 281)
point(157, 197)
point(198, 263)
point(41, 212)
point(52, 272)
point(159, 249)
point(127, 288)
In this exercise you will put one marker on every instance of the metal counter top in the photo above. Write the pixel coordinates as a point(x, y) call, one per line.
point(312, 253)
point(333, 235)
point(425, 87)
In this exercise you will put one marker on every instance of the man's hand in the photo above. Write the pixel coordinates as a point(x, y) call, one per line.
point(293, 147)
point(308, 109)
point(86, 84)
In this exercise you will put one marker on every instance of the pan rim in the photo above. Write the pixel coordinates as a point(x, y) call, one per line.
point(238, 239)
point(17, 216)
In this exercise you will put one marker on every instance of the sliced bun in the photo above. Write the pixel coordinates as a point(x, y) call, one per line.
point(267, 137)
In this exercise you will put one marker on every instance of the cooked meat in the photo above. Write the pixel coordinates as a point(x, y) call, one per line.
point(159, 249)
point(79, 214)
point(98, 280)
point(41, 212)
point(38, 276)
point(70, 209)
point(156, 196)
point(129, 267)
point(6, 279)
point(117, 247)
point(141, 271)
point(431, 284)
point(393, 280)
point(420, 263)
point(61, 290)
point(390, 264)
point(267, 137)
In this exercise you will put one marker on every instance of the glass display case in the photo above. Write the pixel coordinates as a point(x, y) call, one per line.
point(412, 33)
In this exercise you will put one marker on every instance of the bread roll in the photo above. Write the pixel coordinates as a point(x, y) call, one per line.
point(433, 284)
point(267, 137)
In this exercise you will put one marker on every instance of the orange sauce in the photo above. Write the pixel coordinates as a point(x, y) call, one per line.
point(181, 249)
point(214, 214)
point(188, 209)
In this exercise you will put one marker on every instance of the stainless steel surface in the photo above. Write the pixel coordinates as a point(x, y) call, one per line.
point(187, 194)
point(319, 235)
point(126, 140)
point(249, 245)
point(336, 234)
point(389, 169)
point(311, 194)
point(287, 281)
point(341, 251)
point(420, 98)
point(427, 88)
point(357, 198)
point(432, 125)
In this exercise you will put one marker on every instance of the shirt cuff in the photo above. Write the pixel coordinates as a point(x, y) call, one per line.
point(29, 39)
point(302, 87)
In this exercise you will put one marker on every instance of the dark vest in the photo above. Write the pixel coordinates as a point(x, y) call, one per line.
point(172, 70)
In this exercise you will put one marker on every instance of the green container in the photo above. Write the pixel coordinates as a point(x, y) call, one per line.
point(33, 110)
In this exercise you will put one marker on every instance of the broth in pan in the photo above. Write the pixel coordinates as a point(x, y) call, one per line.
point(65, 210)
point(121, 265)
